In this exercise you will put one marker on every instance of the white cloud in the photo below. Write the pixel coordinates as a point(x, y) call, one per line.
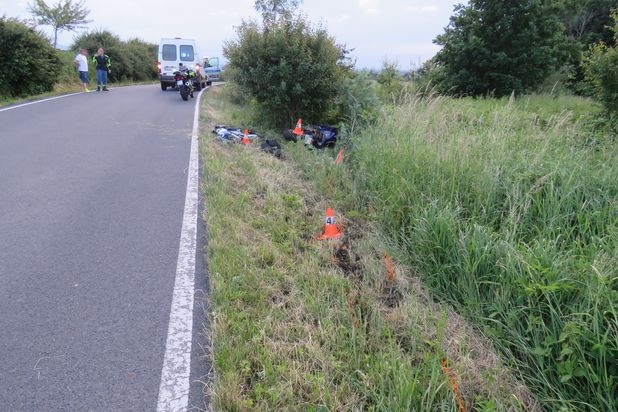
point(369, 7)
point(420, 8)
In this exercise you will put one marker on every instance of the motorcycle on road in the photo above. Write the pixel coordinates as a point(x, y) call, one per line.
point(186, 81)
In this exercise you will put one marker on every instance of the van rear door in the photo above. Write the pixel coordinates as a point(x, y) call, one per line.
point(169, 57)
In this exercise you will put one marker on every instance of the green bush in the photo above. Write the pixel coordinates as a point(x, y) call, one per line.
point(31, 64)
point(131, 61)
point(290, 69)
point(357, 101)
point(600, 70)
point(391, 84)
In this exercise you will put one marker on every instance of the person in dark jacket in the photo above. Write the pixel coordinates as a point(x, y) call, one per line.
point(103, 66)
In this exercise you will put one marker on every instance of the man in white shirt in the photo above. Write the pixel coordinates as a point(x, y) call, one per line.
point(81, 64)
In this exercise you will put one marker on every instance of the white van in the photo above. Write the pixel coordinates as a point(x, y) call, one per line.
point(172, 52)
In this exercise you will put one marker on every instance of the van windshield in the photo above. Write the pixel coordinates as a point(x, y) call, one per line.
point(186, 53)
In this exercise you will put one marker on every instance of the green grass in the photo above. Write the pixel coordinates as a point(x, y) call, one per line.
point(508, 212)
point(304, 324)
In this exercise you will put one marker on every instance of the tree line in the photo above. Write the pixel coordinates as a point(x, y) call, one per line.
point(35, 66)
point(489, 49)
point(505, 47)
point(288, 66)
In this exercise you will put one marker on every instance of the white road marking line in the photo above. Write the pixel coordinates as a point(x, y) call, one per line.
point(37, 101)
point(176, 371)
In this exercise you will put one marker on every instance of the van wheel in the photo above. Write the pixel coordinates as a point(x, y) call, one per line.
point(163, 86)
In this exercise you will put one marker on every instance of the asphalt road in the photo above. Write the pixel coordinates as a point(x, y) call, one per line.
point(92, 191)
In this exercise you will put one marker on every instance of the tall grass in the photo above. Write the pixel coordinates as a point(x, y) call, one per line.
point(509, 213)
point(306, 324)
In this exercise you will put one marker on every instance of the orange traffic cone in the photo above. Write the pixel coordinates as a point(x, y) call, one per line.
point(331, 231)
point(298, 130)
point(339, 158)
point(245, 139)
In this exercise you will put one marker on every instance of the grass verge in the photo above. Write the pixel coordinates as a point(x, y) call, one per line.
point(305, 324)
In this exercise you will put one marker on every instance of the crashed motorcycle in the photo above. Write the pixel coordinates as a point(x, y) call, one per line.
point(185, 78)
point(318, 136)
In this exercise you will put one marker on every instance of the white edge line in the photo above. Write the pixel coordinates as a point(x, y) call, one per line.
point(37, 101)
point(176, 370)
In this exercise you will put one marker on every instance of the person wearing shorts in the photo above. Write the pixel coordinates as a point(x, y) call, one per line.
point(81, 64)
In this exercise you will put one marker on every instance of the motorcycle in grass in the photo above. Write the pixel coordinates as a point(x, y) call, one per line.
point(318, 136)
point(185, 79)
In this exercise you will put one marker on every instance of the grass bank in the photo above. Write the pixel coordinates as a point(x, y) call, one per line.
point(305, 324)
point(508, 210)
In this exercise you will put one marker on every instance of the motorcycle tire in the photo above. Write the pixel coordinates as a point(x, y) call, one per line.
point(184, 93)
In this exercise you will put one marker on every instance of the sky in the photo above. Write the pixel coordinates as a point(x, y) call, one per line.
point(378, 31)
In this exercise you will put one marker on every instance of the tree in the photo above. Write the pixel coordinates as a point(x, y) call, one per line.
point(587, 22)
point(273, 9)
point(31, 65)
point(288, 67)
point(498, 47)
point(64, 15)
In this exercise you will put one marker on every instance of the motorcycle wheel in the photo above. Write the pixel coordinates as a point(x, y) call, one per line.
point(184, 93)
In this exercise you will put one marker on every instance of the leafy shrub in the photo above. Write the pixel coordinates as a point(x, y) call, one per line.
point(600, 70)
point(131, 61)
point(357, 101)
point(391, 84)
point(31, 64)
point(289, 68)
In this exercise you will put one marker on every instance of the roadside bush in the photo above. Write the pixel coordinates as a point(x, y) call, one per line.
point(139, 58)
point(131, 61)
point(392, 88)
point(291, 69)
point(600, 64)
point(357, 102)
point(600, 68)
point(31, 64)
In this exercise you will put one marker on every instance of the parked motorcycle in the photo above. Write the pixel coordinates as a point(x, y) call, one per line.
point(185, 81)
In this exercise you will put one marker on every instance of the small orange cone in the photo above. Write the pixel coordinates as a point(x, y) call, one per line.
point(339, 158)
point(298, 130)
point(331, 231)
point(245, 139)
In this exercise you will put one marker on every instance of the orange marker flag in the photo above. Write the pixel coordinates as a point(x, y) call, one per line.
point(339, 158)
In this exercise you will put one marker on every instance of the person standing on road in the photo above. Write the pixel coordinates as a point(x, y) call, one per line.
point(81, 64)
point(103, 65)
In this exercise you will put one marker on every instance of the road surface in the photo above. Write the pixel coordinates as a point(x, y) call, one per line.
point(92, 204)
